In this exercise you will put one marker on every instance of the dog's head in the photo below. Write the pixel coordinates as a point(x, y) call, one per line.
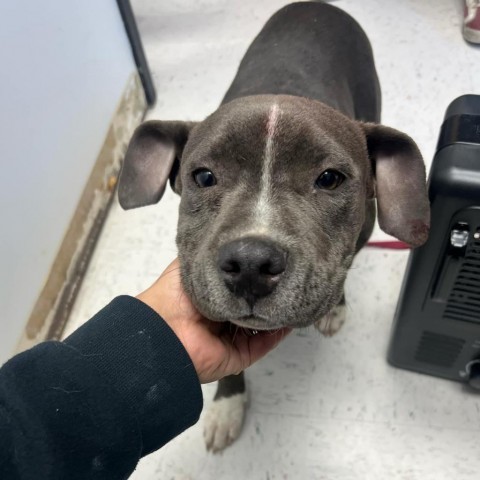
point(274, 195)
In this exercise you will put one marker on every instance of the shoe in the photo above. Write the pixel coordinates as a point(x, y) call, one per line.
point(471, 22)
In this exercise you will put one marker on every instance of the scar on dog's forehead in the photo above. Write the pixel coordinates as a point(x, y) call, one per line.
point(272, 119)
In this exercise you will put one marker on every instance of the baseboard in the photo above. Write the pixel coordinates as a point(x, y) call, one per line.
point(52, 309)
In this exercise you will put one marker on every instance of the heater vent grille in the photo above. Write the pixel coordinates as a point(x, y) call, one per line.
point(464, 300)
point(440, 350)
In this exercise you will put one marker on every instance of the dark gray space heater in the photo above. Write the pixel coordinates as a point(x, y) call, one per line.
point(436, 328)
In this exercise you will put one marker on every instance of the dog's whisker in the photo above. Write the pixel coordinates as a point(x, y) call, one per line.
point(274, 332)
point(235, 333)
point(173, 269)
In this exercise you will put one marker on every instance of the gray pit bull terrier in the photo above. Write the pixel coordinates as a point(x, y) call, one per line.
point(278, 186)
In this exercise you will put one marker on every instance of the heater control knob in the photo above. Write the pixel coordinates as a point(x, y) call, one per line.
point(474, 374)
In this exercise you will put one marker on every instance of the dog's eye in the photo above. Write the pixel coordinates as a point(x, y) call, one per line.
point(204, 178)
point(329, 180)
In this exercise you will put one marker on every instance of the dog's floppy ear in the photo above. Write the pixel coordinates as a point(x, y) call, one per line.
point(400, 186)
point(152, 158)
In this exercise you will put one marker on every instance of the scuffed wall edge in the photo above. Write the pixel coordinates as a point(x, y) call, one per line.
point(50, 313)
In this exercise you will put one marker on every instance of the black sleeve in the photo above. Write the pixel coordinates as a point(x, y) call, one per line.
point(118, 388)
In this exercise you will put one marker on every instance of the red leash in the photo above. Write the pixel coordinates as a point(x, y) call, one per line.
point(391, 244)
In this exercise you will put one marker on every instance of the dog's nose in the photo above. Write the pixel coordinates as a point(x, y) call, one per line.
point(251, 267)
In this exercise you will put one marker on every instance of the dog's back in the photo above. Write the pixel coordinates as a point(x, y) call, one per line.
point(313, 50)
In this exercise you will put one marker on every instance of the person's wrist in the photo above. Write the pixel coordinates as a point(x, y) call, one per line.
point(176, 319)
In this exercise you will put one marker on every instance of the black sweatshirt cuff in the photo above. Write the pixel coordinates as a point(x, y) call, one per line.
point(146, 364)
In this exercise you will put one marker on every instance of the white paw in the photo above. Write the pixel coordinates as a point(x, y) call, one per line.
point(223, 421)
point(332, 321)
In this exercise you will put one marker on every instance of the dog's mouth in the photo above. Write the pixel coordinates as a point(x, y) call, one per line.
point(250, 331)
point(254, 323)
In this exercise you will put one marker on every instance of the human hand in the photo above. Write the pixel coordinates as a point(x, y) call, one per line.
point(216, 349)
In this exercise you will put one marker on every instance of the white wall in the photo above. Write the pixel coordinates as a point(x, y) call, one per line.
point(63, 67)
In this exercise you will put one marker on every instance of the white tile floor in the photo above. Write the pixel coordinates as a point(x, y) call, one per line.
point(320, 408)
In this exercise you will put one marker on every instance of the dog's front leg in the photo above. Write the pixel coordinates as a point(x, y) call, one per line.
point(224, 419)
